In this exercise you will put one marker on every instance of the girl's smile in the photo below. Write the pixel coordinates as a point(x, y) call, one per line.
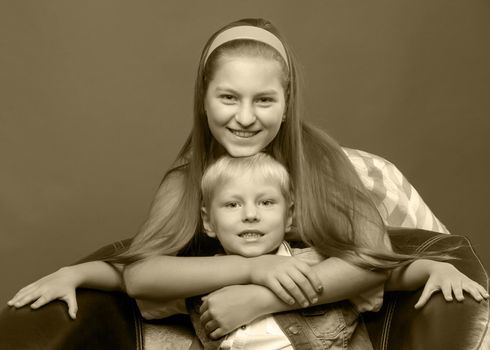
point(245, 104)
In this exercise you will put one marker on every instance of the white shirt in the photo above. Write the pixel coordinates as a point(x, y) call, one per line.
point(263, 333)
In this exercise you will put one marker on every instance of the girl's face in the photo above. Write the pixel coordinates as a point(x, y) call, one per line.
point(245, 104)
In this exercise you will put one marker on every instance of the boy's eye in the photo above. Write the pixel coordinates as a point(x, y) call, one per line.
point(231, 205)
point(267, 202)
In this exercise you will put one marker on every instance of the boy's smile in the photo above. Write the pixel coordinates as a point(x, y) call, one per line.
point(248, 215)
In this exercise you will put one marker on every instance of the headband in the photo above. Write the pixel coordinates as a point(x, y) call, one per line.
point(248, 32)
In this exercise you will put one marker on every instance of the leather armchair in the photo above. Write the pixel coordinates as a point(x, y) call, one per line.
point(112, 321)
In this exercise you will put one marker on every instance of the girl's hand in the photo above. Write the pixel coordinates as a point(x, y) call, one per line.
point(289, 278)
point(58, 285)
point(448, 279)
point(228, 308)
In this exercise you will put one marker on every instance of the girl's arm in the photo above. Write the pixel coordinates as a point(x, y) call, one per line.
point(436, 276)
point(170, 277)
point(231, 307)
point(63, 283)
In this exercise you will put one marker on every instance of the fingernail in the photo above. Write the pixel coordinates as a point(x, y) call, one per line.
point(314, 300)
point(305, 304)
point(291, 301)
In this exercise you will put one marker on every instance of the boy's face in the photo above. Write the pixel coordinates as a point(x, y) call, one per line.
point(248, 215)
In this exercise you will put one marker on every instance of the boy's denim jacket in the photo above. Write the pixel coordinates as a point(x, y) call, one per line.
point(331, 326)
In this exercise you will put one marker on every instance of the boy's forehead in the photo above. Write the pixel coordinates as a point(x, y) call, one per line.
point(246, 183)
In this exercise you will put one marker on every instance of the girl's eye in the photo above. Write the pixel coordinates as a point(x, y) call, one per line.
point(265, 101)
point(227, 99)
point(267, 202)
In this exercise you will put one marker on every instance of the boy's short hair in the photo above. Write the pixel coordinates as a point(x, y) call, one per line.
point(261, 164)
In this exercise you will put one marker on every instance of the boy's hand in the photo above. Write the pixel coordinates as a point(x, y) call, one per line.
point(448, 279)
point(289, 278)
point(226, 309)
point(58, 285)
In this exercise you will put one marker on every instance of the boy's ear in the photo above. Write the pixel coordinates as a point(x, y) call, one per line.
point(207, 223)
point(289, 217)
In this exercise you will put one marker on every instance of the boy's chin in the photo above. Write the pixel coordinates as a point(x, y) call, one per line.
point(252, 253)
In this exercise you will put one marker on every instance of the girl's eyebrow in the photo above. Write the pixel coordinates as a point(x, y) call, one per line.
point(228, 89)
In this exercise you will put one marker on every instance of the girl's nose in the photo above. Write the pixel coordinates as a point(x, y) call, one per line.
point(245, 116)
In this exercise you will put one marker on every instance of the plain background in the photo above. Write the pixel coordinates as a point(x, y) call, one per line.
point(96, 100)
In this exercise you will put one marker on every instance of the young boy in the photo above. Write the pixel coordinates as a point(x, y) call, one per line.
point(248, 207)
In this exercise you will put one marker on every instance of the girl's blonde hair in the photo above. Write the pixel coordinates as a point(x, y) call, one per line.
point(333, 210)
point(261, 167)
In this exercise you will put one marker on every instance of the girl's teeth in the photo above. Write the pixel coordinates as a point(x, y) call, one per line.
point(243, 133)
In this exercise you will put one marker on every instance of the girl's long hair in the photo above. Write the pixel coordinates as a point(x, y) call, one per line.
point(333, 210)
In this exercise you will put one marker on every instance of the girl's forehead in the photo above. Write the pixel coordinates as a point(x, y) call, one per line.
point(248, 73)
point(244, 65)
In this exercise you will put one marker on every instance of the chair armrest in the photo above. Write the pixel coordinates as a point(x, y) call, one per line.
point(105, 320)
point(439, 324)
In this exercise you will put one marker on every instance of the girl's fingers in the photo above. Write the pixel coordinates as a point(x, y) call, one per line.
point(482, 291)
point(305, 285)
point(447, 292)
point(312, 277)
point(474, 292)
point(294, 290)
point(458, 291)
point(281, 293)
point(425, 296)
point(43, 300)
point(26, 299)
point(71, 300)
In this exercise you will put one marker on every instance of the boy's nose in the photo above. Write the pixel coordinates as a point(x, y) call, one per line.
point(250, 213)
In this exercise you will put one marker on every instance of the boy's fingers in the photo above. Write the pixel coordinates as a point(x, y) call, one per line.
point(217, 333)
point(211, 326)
point(204, 306)
point(205, 317)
